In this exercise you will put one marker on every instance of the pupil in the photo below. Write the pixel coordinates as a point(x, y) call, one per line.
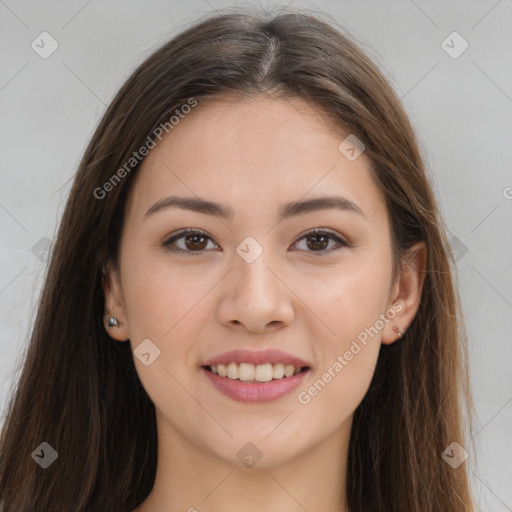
point(317, 244)
point(198, 241)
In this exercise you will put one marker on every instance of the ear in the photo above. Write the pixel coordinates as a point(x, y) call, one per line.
point(114, 305)
point(406, 293)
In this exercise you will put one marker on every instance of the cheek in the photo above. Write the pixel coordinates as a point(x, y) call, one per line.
point(163, 304)
point(167, 304)
point(349, 303)
point(160, 297)
point(347, 299)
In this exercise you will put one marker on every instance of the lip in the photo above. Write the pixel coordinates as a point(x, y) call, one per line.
point(255, 392)
point(271, 356)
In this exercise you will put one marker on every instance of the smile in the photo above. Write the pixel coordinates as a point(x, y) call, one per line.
point(255, 375)
point(255, 390)
point(248, 372)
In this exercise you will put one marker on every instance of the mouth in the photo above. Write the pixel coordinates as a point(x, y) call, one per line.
point(255, 376)
point(252, 373)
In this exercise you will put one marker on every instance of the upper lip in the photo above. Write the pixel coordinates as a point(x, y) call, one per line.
point(271, 356)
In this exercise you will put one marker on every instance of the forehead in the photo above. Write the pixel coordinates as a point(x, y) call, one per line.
point(272, 150)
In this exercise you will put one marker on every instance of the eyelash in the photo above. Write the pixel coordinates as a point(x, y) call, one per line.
point(190, 231)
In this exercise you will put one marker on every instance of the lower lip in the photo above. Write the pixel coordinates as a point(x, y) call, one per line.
point(255, 391)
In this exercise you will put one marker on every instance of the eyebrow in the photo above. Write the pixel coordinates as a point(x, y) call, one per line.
point(287, 210)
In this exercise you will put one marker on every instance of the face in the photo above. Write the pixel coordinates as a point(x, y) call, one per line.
point(270, 274)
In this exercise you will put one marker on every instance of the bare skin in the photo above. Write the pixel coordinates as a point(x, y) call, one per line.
point(253, 156)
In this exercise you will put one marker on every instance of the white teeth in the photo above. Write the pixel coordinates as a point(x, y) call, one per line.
point(249, 372)
point(246, 371)
point(263, 372)
point(232, 371)
point(278, 371)
point(288, 370)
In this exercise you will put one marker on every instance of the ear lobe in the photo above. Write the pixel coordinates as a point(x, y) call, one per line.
point(407, 292)
point(114, 318)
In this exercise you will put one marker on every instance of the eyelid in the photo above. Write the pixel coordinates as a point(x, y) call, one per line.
point(339, 239)
point(334, 235)
point(183, 232)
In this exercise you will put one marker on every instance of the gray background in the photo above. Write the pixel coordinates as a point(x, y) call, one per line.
point(461, 108)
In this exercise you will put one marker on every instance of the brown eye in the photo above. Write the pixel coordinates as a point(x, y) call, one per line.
point(319, 241)
point(189, 241)
point(195, 242)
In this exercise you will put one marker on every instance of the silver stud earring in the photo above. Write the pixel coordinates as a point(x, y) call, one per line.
point(397, 331)
point(113, 322)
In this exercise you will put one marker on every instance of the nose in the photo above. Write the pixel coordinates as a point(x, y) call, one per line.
point(256, 297)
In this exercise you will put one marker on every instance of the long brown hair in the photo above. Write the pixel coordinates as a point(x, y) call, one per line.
point(79, 390)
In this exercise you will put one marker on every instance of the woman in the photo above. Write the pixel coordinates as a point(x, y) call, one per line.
point(249, 304)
